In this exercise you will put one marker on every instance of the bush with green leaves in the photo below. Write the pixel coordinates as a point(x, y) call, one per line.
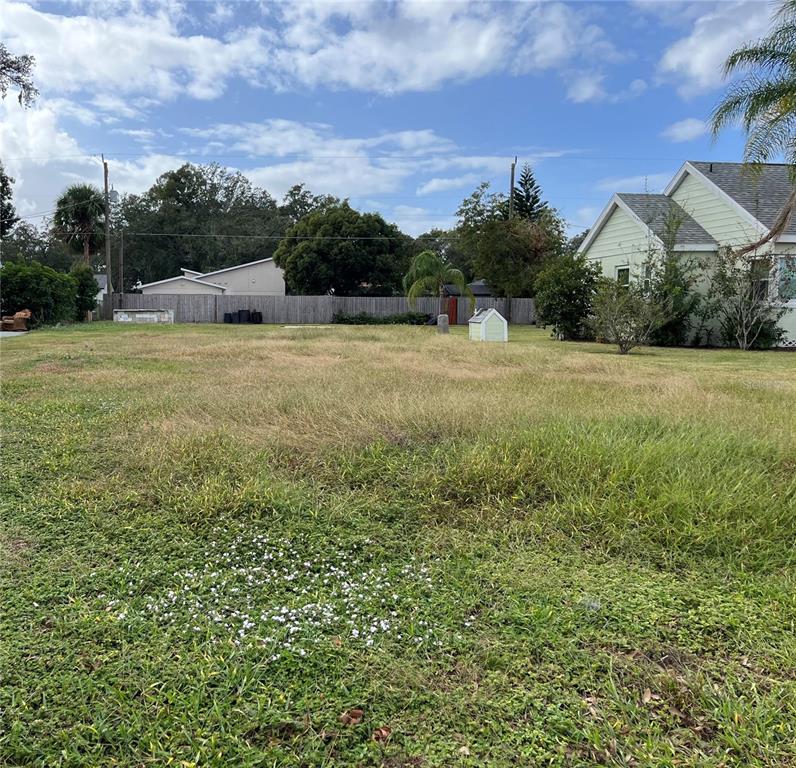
point(564, 294)
point(50, 296)
point(671, 284)
point(363, 318)
point(739, 292)
point(625, 315)
point(86, 290)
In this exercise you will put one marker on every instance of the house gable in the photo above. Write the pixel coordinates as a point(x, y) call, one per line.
point(619, 237)
point(715, 211)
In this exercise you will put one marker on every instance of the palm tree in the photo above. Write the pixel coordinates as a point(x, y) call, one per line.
point(79, 218)
point(763, 102)
point(428, 274)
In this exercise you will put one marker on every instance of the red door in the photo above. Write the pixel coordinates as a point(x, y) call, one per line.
point(453, 313)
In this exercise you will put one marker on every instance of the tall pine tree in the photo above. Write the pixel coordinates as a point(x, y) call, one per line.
point(528, 203)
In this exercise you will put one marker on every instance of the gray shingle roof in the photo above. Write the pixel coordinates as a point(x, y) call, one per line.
point(653, 210)
point(763, 194)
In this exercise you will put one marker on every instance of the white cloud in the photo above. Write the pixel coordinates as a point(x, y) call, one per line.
point(444, 185)
point(651, 182)
point(128, 52)
point(685, 130)
point(586, 86)
point(695, 62)
point(117, 50)
point(586, 216)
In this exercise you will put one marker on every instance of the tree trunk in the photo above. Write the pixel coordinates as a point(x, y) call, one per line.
point(86, 253)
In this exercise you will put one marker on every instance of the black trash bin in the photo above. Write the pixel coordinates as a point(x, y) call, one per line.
point(257, 317)
point(228, 317)
point(244, 315)
point(234, 317)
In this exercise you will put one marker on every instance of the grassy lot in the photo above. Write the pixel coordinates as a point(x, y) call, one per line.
point(216, 541)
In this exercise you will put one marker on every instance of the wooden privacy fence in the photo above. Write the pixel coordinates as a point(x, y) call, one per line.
point(196, 308)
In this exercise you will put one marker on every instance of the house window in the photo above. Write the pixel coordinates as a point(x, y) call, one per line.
point(623, 276)
point(787, 278)
point(761, 277)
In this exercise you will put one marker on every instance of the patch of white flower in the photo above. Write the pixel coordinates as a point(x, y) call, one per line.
point(285, 596)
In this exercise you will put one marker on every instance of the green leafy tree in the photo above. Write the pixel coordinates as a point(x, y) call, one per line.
point(429, 274)
point(86, 290)
point(527, 196)
point(446, 243)
point(669, 280)
point(80, 218)
point(510, 253)
point(17, 72)
point(341, 251)
point(625, 315)
point(201, 217)
point(8, 214)
point(564, 294)
point(763, 102)
point(740, 293)
point(49, 295)
point(27, 244)
point(299, 202)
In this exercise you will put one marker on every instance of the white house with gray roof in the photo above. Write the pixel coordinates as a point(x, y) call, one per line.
point(255, 278)
point(717, 205)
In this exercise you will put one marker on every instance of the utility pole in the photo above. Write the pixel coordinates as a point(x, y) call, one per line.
point(107, 230)
point(511, 189)
point(121, 263)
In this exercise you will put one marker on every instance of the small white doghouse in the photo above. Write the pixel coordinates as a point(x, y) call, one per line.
point(488, 325)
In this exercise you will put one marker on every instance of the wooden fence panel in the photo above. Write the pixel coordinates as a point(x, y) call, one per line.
point(195, 308)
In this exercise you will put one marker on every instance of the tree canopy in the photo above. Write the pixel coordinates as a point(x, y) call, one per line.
point(8, 214)
point(17, 72)
point(763, 103)
point(527, 196)
point(341, 251)
point(79, 219)
point(428, 275)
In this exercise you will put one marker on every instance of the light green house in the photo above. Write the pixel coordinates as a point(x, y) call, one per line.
point(718, 205)
point(487, 324)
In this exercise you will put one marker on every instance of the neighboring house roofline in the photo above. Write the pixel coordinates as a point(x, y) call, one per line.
point(237, 266)
point(191, 272)
point(182, 277)
point(688, 168)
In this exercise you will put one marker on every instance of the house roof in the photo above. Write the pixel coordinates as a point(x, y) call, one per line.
point(761, 191)
point(653, 210)
point(182, 277)
point(237, 266)
point(478, 288)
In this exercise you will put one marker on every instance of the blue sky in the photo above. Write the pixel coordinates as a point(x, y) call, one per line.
point(402, 107)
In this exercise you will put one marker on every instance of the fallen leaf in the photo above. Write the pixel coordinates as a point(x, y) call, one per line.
point(464, 751)
point(382, 734)
point(647, 697)
point(745, 661)
point(352, 717)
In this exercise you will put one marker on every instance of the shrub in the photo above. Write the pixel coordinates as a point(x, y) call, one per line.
point(363, 318)
point(87, 289)
point(50, 296)
point(564, 295)
point(671, 285)
point(624, 315)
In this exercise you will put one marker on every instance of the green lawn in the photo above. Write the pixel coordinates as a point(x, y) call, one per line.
point(216, 541)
